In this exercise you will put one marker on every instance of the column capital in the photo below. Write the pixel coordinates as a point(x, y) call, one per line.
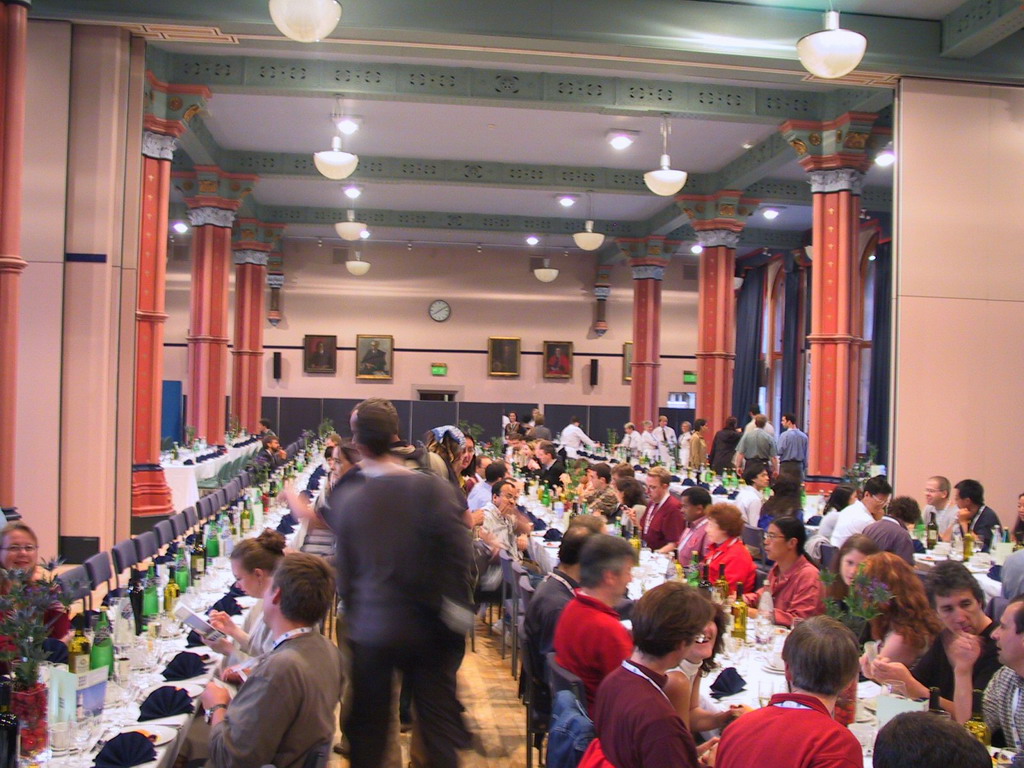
point(726, 209)
point(209, 186)
point(839, 143)
point(257, 235)
point(837, 180)
point(159, 146)
point(712, 238)
point(251, 256)
point(648, 268)
point(202, 215)
point(170, 107)
point(602, 292)
point(275, 281)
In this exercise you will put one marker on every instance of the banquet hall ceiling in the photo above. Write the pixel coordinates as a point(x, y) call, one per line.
point(482, 111)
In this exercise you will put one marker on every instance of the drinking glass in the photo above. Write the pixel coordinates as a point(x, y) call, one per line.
point(765, 690)
point(61, 737)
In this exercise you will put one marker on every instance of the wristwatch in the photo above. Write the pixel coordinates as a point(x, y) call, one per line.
point(209, 713)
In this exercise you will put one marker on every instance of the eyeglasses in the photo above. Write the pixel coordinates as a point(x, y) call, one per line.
point(18, 548)
point(773, 536)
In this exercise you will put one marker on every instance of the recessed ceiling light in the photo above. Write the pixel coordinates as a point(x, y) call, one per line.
point(748, 145)
point(566, 201)
point(886, 157)
point(620, 139)
point(770, 213)
point(696, 249)
point(353, 191)
point(364, 234)
point(180, 227)
point(532, 240)
point(348, 124)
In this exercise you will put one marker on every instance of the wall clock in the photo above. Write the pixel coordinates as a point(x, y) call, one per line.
point(440, 310)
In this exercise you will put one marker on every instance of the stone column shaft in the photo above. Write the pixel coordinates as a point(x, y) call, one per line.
point(247, 355)
point(716, 326)
point(648, 272)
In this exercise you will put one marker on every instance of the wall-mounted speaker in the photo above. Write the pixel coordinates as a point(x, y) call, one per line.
point(277, 366)
point(593, 372)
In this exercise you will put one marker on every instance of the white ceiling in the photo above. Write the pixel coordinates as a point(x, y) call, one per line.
point(911, 9)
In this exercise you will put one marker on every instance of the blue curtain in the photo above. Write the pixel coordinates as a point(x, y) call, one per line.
point(881, 355)
point(749, 316)
point(790, 336)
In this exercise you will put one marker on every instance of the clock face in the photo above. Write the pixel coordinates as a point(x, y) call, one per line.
point(440, 311)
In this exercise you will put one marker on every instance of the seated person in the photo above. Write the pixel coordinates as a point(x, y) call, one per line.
point(503, 520)
point(286, 707)
point(838, 500)
point(751, 494)
point(590, 641)
point(663, 522)
point(600, 497)
point(906, 626)
point(695, 503)
point(820, 657)
point(546, 466)
point(921, 740)
point(964, 648)
point(482, 492)
point(632, 498)
point(973, 516)
point(726, 549)
point(272, 454)
point(1004, 690)
point(891, 533)
point(846, 563)
point(793, 582)
point(19, 553)
point(636, 724)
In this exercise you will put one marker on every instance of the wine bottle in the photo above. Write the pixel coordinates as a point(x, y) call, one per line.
point(135, 598)
point(212, 541)
point(977, 726)
point(705, 585)
point(182, 572)
point(739, 614)
point(934, 707)
point(722, 587)
point(10, 729)
point(79, 649)
point(102, 654)
point(198, 559)
point(150, 595)
point(931, 532)
point(968, 545)
point(693, 572)
point(171, 592)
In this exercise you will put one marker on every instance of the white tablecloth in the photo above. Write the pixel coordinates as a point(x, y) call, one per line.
point(183, 479)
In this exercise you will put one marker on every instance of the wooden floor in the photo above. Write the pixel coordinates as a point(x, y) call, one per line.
point(493, 709)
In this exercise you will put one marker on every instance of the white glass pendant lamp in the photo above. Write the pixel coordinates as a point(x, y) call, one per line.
point(833, 51)
point(334, 163)
point(665, 181)
point(305, 21)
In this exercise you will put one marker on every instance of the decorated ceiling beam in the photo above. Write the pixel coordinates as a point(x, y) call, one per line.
point(506, 88)
point(977, 25)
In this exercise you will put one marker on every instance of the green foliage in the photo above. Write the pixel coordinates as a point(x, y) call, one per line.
point(325, 428)
point(613, 439)
point(473, 430)
point(864, 598)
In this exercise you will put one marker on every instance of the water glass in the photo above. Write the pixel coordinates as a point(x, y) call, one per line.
point(61, 737)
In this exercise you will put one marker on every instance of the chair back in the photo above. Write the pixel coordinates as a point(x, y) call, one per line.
point(75, 583)
point(526, 590)
point(205, 506)
point(828, 553)
point(561, 679)
point(191, 518)
point(124, 556)
point(164, 533)
point(754, 538)
point(178, 525)
point(98, 569)
point(146, 545)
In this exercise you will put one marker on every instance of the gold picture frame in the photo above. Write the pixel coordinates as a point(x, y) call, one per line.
point(627, 361)
point(557, 362)
point(503, 356)
point(375, 357)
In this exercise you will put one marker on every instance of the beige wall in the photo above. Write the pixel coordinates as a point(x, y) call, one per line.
point(959, 320)
point(491, 294)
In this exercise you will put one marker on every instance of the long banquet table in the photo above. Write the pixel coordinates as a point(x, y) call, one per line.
point(183, 478)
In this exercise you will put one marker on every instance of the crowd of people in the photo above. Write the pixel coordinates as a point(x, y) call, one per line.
point(408, 538)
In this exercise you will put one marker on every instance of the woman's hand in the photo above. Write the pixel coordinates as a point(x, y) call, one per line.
point(708, 751)
point(222, 623)
point(222, 646)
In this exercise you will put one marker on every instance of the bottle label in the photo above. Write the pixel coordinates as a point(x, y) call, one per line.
point(79, 663)
point(199, 565)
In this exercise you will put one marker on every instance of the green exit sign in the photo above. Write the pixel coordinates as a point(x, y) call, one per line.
point(439, 369)
point(689, 377)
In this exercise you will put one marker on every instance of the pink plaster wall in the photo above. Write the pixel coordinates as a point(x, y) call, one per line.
point(491, 294)
point(960, 288)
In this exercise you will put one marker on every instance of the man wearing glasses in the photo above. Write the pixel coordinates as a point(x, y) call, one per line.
point(862, 513)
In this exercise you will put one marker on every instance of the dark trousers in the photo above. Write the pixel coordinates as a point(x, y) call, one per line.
point(759, 463)
point(794, 468)
point(428, 669)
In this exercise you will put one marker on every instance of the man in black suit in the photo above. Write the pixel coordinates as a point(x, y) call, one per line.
point(272, 453)
point(547, 467)
point(978, 518)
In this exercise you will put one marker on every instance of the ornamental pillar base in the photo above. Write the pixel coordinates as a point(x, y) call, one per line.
point(151, 496)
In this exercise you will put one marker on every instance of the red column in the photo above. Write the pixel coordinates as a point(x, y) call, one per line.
point(150, 492)
point(833, 343)
point(208, 327)
point(247, 355)
point(716, 325)
point(648, 272)
point(13, 42)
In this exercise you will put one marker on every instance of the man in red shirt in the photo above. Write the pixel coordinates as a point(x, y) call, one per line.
point(663, 522)
point(590, 640)
point(821, 659)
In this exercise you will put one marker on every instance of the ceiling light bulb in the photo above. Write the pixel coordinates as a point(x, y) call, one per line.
point(831, 52)
point(747, 145)
point(566, 201)
point(305, 21)
point(334, 163)
point(665, 181)
point(532, 240)
point(886, 157)
point(545, 273)
point(588, 239)
point(352, 191)
point(364, 234)
point(770, 213)
point(620, 139)
point(348, 125)
point(357, 266)
point(696, 249)
point(180, 227)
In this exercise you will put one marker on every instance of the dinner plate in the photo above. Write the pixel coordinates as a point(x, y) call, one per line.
point(932, 558)
point(158, 734)
point(552, 544)
point(774, 670)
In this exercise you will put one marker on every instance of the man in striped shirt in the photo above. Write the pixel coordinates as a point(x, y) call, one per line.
point(1004, 696)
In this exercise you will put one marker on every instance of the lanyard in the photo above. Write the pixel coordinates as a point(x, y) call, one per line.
point(561, 581)
point(630, 668)
point(691, 532)
point(292, 633)
point(649, 518)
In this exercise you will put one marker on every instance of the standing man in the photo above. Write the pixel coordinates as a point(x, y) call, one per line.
point(685, 435)
point(663, 522)
point(630, 440)
point(938, 503)
point(792, 448)
point(573, 438)
point(648, 442)
point(755, 411)
point(698, 444)
point(974, 517)
point(264, 430)
point(407, 595)
point(665, 437)
point(757, 448)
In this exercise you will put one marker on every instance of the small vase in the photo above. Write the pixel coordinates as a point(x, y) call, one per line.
point(30, 707)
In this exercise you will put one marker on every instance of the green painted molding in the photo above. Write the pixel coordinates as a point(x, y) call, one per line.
point(977, 25)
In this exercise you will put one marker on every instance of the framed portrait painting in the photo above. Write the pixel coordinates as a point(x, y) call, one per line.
point(320, 354)
point(557, 359)
point(375, 357)
point(627, 361)
point(503, 356)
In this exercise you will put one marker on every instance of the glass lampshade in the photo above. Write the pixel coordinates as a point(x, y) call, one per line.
point(588, 239)
point(832, 52)
point(665, 181)
point(335, 164)
point(357, 267)
point(305, 21)
point(545, 274)
point(350, 230)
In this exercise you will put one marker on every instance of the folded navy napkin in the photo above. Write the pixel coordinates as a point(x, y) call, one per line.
point(816, 520)
point(919, 547)
point(172, 548)
point(193, 640)
point(728, 683)
point(188, 462)
point(638, 468)
point(689, 482)
point(184, 666)
point(289, 518)
point(285, 528)
point(996, 572)
point(56, 651)
point(539, 525)
point(166, 701)
point(552, 534)
point(126, 750)
point(675, 478)
point(228, 604)
point(235, 591)
point(705, 486)
point(720, 490)
point(734, 494)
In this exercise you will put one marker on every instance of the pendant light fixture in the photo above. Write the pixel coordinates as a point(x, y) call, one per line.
point(334, 163)
point(545, 273)
point(665, 181)
point(350, 229)
point(588, 239)
point(833, 51)
point(305, 21)
point(357, 266)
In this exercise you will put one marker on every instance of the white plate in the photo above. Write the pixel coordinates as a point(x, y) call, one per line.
point(163, 734)
point(774, 670)
point(552, 544)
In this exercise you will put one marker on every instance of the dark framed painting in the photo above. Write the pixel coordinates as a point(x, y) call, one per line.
point(557, 359)
point(375, 357)
point(627, 361)
point(320, 354)
point(503, 355)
